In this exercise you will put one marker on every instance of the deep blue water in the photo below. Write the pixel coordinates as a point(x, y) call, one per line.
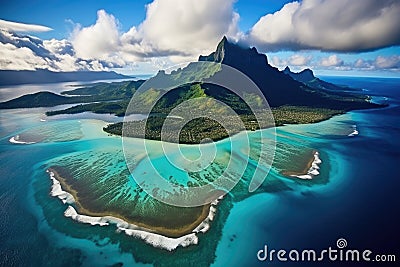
point(359, 203)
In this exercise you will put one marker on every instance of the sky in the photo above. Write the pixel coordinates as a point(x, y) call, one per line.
point(332, 37)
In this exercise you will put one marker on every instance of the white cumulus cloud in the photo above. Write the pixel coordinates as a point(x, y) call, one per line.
point(330, 25)
point(19, 58)
point(299, 60)
point(388, 63)
point(391, 62)
point(177, 29)
point(295, 61)
point(98, 41)
point(331, 61)
point(187, 27)
point(24, 52)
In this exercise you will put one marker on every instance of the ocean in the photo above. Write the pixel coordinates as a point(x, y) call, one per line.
point(354, 197)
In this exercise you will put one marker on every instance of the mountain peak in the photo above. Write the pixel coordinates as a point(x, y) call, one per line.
point(305, 75)
point(233, 54)
point(221, 48)
point(307, 70)
point(287, 70)
point(223, 41)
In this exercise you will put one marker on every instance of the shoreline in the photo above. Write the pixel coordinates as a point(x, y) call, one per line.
point(169, 239)
point(355, 131)
point(15, 140)
point(161, 237)
point(310, 171)
point(276, 125)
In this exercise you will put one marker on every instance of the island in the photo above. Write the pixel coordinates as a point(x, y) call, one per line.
point(293, 99)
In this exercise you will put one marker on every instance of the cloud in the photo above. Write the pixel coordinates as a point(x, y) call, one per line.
point(392, 62)
point(22, 27)
point(278, 62)
point(276, 28)
point(299, 60)
point(29, 53)
point(387, 63)
point(331, 61)
point(174, 26)
point(98, 41)
point(329, 25)
point(295, 61)
point(19, 58)
point(380, 63)
point(59, 47)
point(33, 43)
point(178, 29)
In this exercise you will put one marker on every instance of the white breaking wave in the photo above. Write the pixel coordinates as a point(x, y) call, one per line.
point(15, 140)
point(156, 240)
point(160, 241)
point(355, 131)
point(56, 190)
point(205, 225)
point(314, 169)
point(71, 212)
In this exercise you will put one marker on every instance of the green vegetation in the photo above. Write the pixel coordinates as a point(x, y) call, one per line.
point(293, 97)
point(192, 73)
point(201, 128)
point(118, 108)
point(194, 132)
point(100, 92)
point(41, 99)
point(116, 90)
point(328, 105)
point(302, 115)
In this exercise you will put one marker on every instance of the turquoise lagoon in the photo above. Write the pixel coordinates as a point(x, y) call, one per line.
point(353, 197)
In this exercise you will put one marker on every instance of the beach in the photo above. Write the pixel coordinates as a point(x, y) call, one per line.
point(310, 170)
point(167, 238)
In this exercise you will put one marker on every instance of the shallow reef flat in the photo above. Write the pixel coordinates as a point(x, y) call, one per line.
point(102, 185)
